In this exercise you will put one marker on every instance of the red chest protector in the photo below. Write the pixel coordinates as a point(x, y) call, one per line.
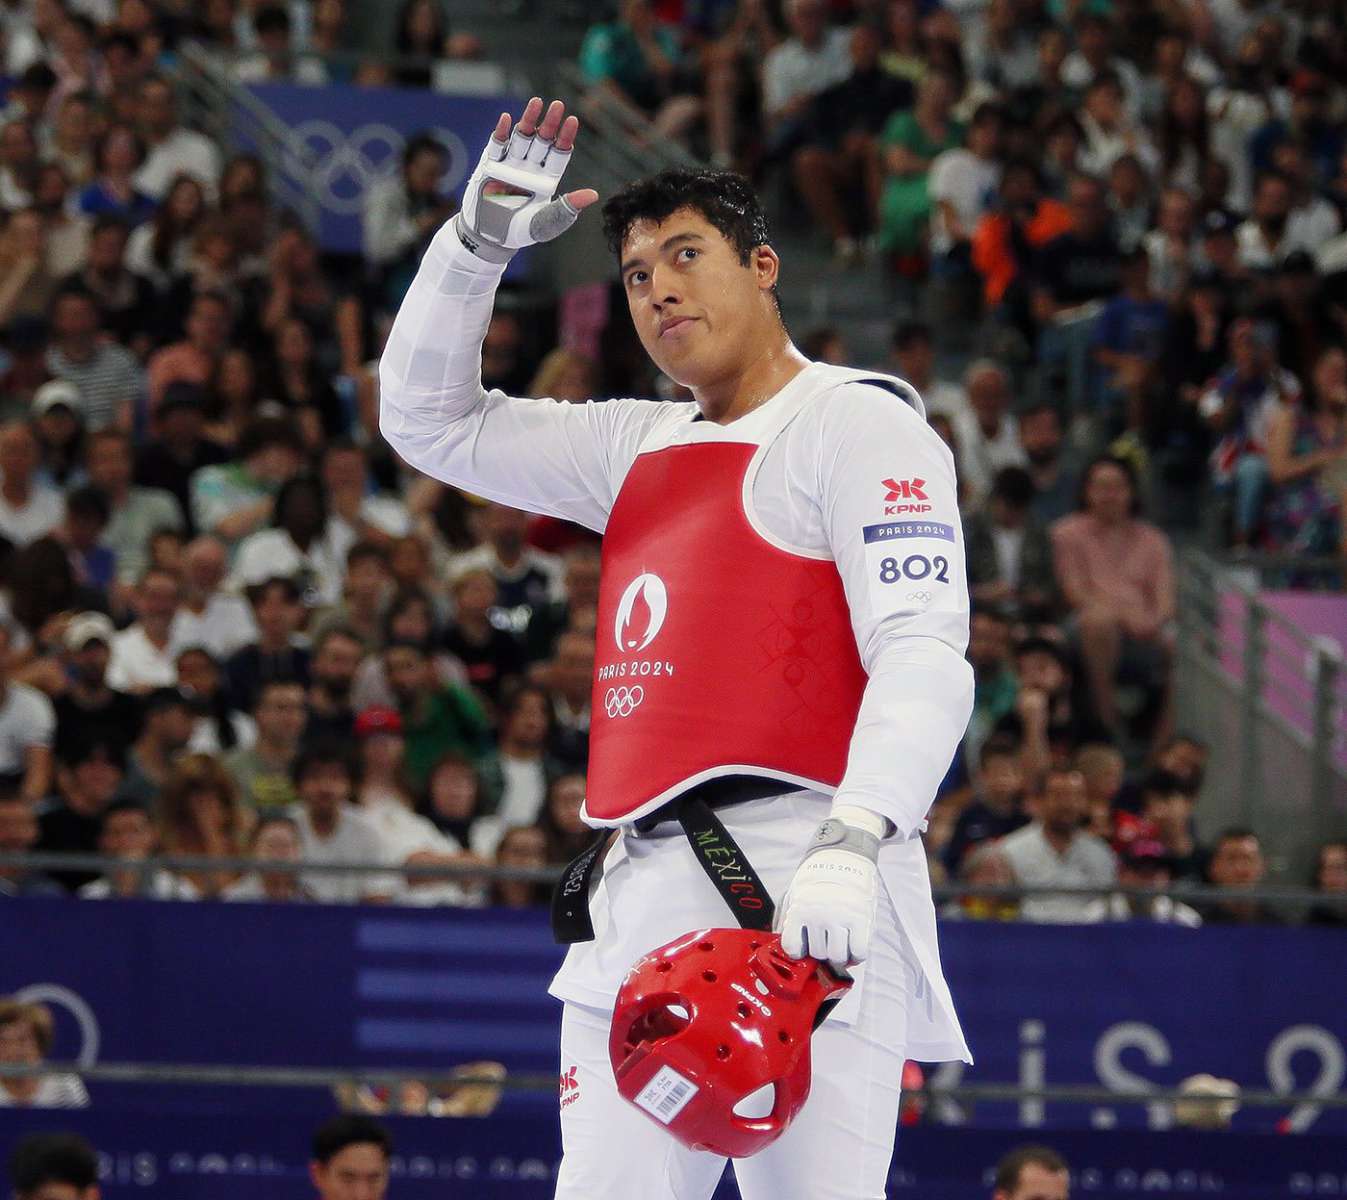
point(718, 653)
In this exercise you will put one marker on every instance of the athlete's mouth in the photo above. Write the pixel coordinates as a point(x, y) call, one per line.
point(669, 324)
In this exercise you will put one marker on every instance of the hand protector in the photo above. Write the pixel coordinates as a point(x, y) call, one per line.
point(493, 226)
point(829, 909)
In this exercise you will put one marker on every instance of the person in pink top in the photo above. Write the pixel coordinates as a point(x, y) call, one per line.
point(1116, 572)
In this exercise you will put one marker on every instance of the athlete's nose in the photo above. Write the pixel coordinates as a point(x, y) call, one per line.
point(664, 289)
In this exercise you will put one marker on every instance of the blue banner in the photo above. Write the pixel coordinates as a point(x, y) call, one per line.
point(1125, 1006)
point(351, 137)
point(185, 1157)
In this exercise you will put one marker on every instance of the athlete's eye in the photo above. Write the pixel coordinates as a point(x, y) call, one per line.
point(635, 278)
point(689, 250)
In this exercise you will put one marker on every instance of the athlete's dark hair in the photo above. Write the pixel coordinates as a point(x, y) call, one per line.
point(1010, 1168)
point(725, 198)
point(350, 1130)
point(42, 1158)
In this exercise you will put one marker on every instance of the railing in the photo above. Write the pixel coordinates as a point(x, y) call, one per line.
point(1271, 703)
point(1198, 894)
point(230, 115)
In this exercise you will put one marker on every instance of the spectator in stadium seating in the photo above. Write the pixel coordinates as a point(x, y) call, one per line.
point(128, 833)
point(421, 38)
point(1126, 345)
point(118, 155)
point(86, 516)
point(1267, 238)
point(983, 866)
point(365, 596)
point(278, 57)
point(26, 1034)
point(1009, 553)
point(27, 731)
point(262, 771)
point(218, 620)
point(523, 847)
point(567, 835)
point(1239, 405)
point(109, 379)
point(18, 835)
point(336, 658)
point(28, 277)
point(492, 655)
point(29, 509)
point(69, 821)
point(1166, 816)
point(1307, 464)
point(994, 683)
point(795, 70)
point(1330, 880)
point(278, 652)
point(360, 513)
point(402, 213)
point(293, 377)
point(515, 776)
point(351, 1159)
point(452, 802)
point(1116, 574)
point(1047, 721)
point(1236, 865)
point(526, 578)
point(1171, 246)
point(997, 805)
point(963, 185)
point(989, 436)
point(301, 545)
point(218, 727)
point(166, 728)
point(237, 497)
point(1143, 863)
point(172, 150)
point(87, 710)
point(333, 830)
point(569, 676)
point(1006, 239)
point(58, 425)
point(144, 654)
point(196, 358)
point(19, 162)
point(837, 160)
point(908, 146)
point(1032, 1173)
point(200, 816)
point(1102, 767)
point(274, 839)
point(1055, 850)
point(411, 617)
point(160, 251)
point(125, 298)
point(578, 611)
point(435, 717)
point(1055, 473)
point(912, 352)
point(136, 512)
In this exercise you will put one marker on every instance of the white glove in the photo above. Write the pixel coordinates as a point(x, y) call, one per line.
point(508, 203)
point(829, 909)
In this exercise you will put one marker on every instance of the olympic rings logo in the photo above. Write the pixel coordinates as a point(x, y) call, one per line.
point(920, 597)
point(622, 702)
point(342, 165)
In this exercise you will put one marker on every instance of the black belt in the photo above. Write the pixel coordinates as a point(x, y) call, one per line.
point(725, 864)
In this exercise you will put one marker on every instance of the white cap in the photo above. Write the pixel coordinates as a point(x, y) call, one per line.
point(88, 627)
point(57, 391)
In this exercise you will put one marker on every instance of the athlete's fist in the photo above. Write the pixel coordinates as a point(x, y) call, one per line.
point(508, 203)
point(829, 909)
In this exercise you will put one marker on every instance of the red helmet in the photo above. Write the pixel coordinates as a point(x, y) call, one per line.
point(707, 1020)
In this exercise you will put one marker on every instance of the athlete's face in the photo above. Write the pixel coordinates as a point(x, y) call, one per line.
point(696, 307)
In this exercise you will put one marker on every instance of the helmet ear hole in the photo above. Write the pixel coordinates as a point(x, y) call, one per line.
point(662, 1021)
point(757, 1104)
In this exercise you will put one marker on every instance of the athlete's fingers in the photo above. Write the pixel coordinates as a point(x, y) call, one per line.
point(582, 198)
point(528, 119)
point(792, 940)
point(556, 111)
point(566, 136)
point(817, 943)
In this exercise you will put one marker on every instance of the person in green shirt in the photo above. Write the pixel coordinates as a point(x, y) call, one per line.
point(435, 719)
point(909, 144)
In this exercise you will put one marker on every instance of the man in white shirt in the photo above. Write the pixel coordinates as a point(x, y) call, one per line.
point(333, 830)
point(527, 579)
point(144, 654)
point(170, 149)
point(813, 58)
point(128, 833)
point(28, 509)
point(851, 495)
point(27, 729)
point(220, 621)
point(359, 514)
point(963, 181)
point(988, 436)
point(1054, 849)
point(1267, 238)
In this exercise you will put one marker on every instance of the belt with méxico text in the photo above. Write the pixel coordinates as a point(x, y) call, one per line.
point(725, 864)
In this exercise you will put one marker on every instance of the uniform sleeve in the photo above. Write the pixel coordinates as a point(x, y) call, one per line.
point(891, 518)
point(544, 456)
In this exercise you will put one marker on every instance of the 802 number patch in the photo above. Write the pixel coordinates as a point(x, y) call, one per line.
point(914, 567)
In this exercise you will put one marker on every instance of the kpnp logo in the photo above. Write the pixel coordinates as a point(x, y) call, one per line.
point(640, 613)
point(906, 490)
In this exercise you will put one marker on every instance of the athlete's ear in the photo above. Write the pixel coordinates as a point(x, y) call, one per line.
point(766, 266)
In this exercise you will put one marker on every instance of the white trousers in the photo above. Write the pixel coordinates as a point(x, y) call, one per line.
point(838, 1148)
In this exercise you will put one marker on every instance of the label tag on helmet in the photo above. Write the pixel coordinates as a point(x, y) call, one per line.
point(666, 1095)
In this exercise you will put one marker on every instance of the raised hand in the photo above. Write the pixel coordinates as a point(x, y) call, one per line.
point(509, 201)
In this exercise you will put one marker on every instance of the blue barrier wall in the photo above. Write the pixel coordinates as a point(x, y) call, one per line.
point(1122, 1005)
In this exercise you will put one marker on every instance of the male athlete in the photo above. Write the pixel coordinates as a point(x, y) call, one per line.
point(782, 619)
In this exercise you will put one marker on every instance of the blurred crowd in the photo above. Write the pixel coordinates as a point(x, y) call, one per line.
point(233, 625)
